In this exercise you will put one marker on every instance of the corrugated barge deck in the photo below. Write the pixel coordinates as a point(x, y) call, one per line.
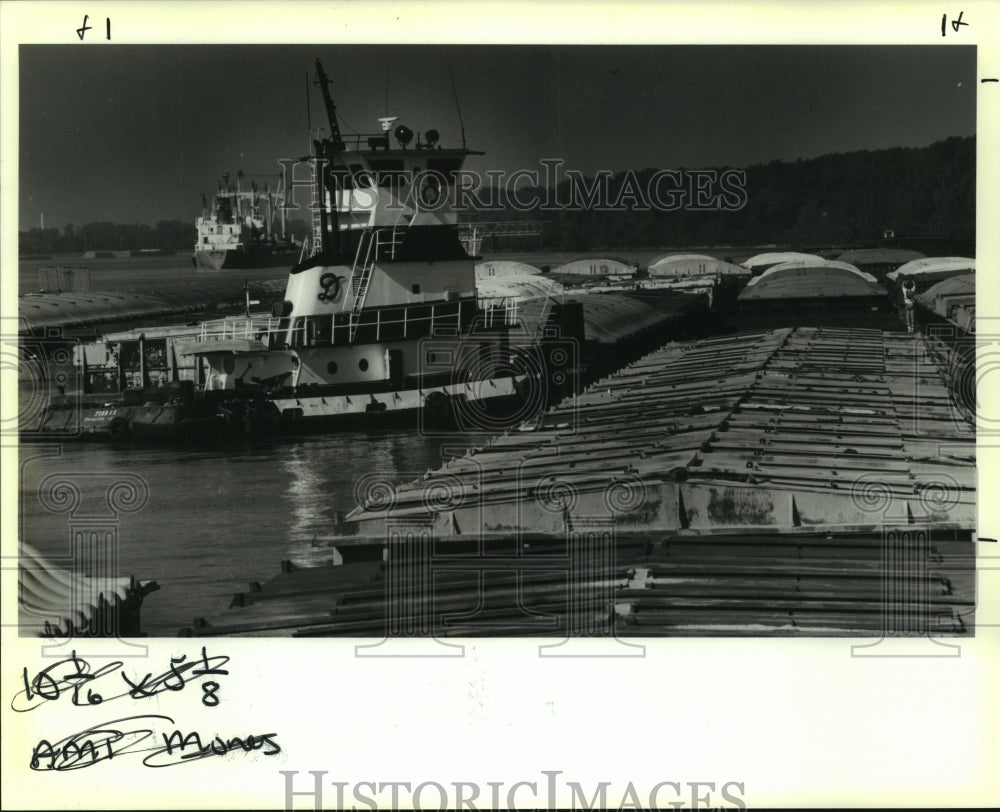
point(795, 481)
point(657, 586)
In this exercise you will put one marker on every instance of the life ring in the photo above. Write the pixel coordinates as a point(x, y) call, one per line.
point(119, 429)
point(330, 288)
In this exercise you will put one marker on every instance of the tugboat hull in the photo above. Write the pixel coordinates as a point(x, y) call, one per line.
point(492, 405)
point(121, 423)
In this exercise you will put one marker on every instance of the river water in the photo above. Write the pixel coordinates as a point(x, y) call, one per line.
point(215, 519)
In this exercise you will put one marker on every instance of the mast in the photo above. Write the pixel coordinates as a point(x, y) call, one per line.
point(325, 150)
point(336, 141)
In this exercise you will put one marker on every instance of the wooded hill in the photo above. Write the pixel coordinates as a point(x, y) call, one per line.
point(838, 199)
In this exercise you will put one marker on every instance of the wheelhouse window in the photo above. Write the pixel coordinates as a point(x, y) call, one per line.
point(446, 166)
point(387, 171)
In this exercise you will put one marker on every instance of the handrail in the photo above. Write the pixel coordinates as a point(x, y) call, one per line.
point(239, 328)
point(371, 242)
point(359, 142)
point(230, 239)
point(359, 288)
point(316, 202)
point(357, 256)
point(504, 304)
point(263, 329)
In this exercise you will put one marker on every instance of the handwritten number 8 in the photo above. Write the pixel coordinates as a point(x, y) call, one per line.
point(210, 695)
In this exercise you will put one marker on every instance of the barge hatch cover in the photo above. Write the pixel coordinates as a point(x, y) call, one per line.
point(801, 481)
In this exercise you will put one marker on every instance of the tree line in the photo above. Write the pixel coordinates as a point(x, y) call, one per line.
point(107, 236)
point(170, 235)
point(836, 199)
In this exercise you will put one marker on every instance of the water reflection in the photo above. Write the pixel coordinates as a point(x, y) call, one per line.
point(217, 519)
point(308, 493)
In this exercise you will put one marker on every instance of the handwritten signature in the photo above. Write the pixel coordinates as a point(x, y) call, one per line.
point(77, 678)
point(105, 741)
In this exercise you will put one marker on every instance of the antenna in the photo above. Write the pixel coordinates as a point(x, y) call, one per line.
point(457, 105)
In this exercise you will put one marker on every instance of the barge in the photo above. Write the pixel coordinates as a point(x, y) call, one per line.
point(798, 481)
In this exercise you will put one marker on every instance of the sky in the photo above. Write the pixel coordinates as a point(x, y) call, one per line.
point(138, 133)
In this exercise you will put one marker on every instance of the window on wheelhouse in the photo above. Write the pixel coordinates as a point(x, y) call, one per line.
point(388, 171)
point(446, 166)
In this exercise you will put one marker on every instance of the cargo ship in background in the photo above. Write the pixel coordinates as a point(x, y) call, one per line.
point(240, 230)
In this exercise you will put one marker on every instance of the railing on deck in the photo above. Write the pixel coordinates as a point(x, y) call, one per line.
point(501, 311)
point(340, 329)
point(230, 329)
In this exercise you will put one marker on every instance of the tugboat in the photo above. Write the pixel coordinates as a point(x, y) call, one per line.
point(380, 319)
point(380, 316)
point(239, 232)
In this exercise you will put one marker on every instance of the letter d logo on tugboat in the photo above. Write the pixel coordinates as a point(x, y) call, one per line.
point(329, 288)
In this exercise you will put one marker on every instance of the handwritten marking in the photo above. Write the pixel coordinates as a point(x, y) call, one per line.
point(91, 746)
point(177, 743)
point(78, 679)
point(74, 674)
point(81, 32)
point(105, 741)
point(989, 80)
point(210, 693)
point(955, 24)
